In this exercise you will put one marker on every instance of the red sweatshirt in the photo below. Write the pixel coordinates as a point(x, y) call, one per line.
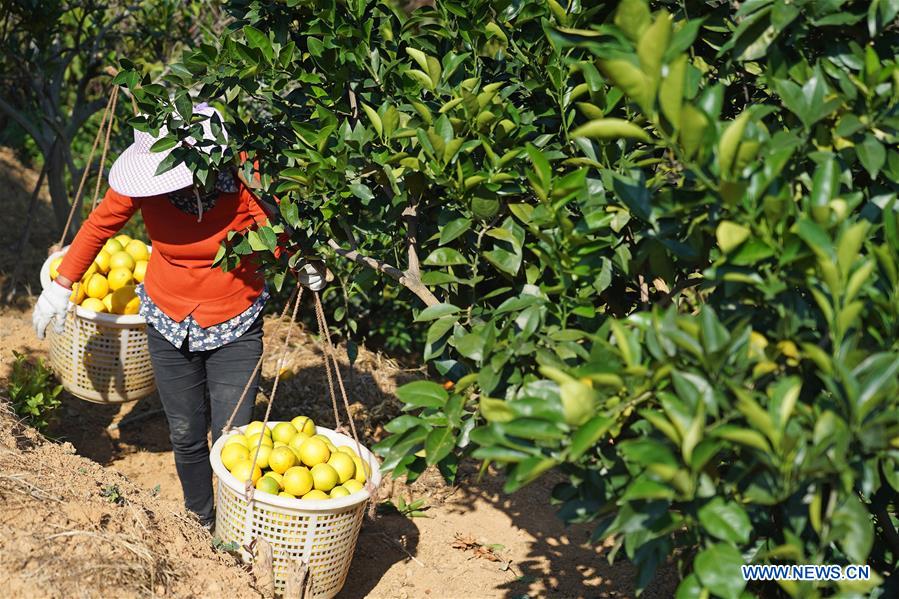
point(180, 278)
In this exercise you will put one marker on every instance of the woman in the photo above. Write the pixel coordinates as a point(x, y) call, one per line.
point(204, 325)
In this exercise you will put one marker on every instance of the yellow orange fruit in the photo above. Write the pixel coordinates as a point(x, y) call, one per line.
point(268, 485)
point(353, 486)
point(238, 439)
point(255, 427)
point(140, 270)
point(282, 459)
point(121, 298)
point(234, 453)
point(347, 450)
point(284, 431)
point(339, 491)
point(54, 266)
point(362, 470)
point(102, 261)
point(121, 260)
point(91, 271)
point(119, 277)
point(93, 304)
point(123, 239)
point(276, 477)
point(280, 444)
point(244, 471)
point(113, 247)
point(286, 494)
point(297, 441)
point(253, 440)
point(314, 451)
point(137, 249)
point(343, 465)
point(133, 306)
point(297, 480)
point(107, 301)
point(304, 424)
point(78, 293)
point(262, 459)
point(97, 286)
point(324, 477)
point(315, 494)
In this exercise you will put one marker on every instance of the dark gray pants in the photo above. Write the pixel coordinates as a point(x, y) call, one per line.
point(199, 390)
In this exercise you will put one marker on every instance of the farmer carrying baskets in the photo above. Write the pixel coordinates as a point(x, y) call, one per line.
point(204, 325)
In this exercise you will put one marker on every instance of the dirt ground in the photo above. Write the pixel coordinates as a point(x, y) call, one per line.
point(525, 550)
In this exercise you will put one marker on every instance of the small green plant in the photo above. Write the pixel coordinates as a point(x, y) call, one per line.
point(32, 391)
point(414, 509)
point(230, 547)
point(112, 494)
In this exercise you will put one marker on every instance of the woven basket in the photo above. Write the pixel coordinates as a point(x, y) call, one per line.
point(101, 358)
point(322, 533)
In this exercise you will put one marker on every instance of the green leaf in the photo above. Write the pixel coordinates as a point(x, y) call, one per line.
point(436, 311)
point(579, 402)
point(419, 57)
point(646, 488)
point(872, 155)
point(495, 410)
point(852, 529)
point(730, 235)
point(633, 17)
point(744, 436)
point(849, 245)
point(714, 336)
point(631, 80)
point(588, 435)
point(166, 143)
point(257, 39)
point(725, 520)
point(444, 257)
point(374, 118)
point(527, 471)
point(471, 345)
point(671, 91)
point(454, 229)
point(422, 394)
point(611, 129)
point(693, 127)
point(541, 167)
point(438, 444)
point(817, 239)
point(718, 568)
point(401, 424)
point(652, 45)
point(730, 142)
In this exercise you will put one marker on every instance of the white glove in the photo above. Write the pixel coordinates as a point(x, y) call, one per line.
point(53, 304)
point(311, 277)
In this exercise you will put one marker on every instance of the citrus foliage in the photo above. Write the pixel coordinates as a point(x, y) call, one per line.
point(662, 248)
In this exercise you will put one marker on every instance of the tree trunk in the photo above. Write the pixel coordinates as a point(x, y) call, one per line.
point(59, 193)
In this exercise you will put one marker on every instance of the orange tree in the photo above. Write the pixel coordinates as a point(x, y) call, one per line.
point(654, 251)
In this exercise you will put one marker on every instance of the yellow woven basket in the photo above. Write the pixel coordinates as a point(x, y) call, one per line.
point(101, 358)
point(321, 533)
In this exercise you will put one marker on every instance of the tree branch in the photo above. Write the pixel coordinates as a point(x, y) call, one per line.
point(406, 279)
point(410, 215)
point(39, 138)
